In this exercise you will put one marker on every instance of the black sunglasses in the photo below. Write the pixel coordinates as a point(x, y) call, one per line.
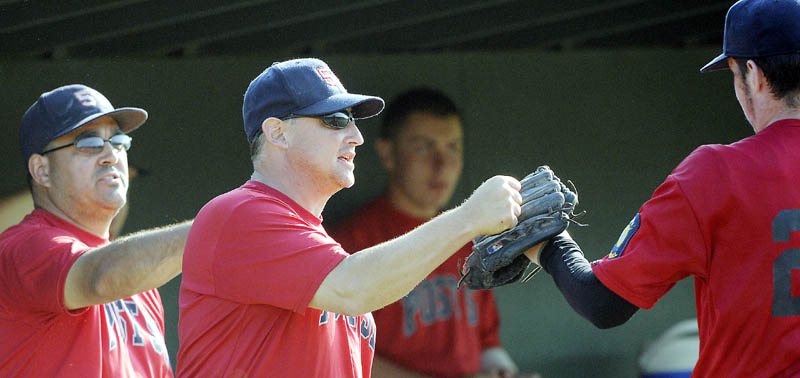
point(338, 120)
point(94, 145)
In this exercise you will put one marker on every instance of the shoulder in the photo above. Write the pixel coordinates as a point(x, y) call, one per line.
point(365, 227)
point(244, 202)
point(37, 256)
point(707, 180)
point(33, 237)
point(372, 212)
point(703, 158)
point(719, 164)
point(708, 165)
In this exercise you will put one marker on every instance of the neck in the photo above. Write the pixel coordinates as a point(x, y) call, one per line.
point(766, 109)
point(291, 185)
point(781, 115)
point(403, 203)
point(96, 222)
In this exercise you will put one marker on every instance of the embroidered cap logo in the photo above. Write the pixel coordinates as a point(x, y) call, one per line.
point(328, 76)
point(86, 98)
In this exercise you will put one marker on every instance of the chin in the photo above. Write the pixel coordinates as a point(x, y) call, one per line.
point(113, 200)
point(439, 199)
point(346, 180)
point(114, 205)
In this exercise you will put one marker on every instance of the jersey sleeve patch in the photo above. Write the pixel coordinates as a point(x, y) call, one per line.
point(625, 237)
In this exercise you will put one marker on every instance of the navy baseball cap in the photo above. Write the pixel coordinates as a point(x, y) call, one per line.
point(67, 108)
point(302, 87)
point(757, 28)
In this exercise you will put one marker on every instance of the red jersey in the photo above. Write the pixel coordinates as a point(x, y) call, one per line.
point(41, 338)
point(727, 215)
point(253, 262)
point(435, 329)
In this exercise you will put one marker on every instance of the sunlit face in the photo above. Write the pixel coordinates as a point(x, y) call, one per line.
point(426, 160)
point(324, 155)
point(80, 182)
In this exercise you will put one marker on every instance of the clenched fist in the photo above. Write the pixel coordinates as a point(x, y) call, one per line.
point(493, 207)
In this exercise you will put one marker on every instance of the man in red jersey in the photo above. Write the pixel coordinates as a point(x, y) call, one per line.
point(436, 329)
point(72, 304)
point(729, 215)
point(265, 291)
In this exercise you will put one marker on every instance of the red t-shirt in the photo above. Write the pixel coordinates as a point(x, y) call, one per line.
point(435, 329)
point(41, 338)
point(252, 263)
point(729, 215)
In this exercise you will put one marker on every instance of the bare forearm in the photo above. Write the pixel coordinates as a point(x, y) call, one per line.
point(146, 260)
point(131, 265)
point(379, 275)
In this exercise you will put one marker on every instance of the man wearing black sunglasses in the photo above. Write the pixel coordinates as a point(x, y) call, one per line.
point(436, 330)
point(265, 291)
point(336, 120)
point(71, 302)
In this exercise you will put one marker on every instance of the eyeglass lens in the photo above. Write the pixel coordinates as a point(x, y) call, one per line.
point(95, 144)
point(338, 120)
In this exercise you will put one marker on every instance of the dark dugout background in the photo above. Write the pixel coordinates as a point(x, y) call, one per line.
point(614, 122)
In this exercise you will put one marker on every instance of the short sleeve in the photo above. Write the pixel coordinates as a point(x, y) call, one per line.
point(269, 255)
point(35, 268)
point(660, 246)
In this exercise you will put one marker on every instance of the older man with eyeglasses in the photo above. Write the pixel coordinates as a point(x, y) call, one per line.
point(73, 304)
point(265, 291)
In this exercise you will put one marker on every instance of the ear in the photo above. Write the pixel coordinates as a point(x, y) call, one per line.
point(39, 168)
point(756, 78)
point(275, 132)
point(385, 149)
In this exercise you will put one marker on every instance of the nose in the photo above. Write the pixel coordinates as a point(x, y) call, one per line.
point(445, 159)
point(110, 155)
point(438, 158)
point(355, 136)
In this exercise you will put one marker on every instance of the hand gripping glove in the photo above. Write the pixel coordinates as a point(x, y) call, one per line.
point(547, 208)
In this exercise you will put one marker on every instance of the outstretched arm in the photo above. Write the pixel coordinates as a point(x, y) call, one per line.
point(562, 258)
point(379, 275)
point(128, 266)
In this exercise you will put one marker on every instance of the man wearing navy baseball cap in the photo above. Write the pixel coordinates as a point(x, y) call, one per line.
point(265, 291)
point(71, 302)
point(729, 215)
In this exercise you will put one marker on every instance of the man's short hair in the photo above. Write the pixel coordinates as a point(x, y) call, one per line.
point(783, 75)
point(421, 99)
